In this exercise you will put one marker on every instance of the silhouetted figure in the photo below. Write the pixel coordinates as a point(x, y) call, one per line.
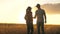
point(29, 20)
point(40, 14)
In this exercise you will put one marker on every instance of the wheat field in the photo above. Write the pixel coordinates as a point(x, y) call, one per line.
point(22, 29)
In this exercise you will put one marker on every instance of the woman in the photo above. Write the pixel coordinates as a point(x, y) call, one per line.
point(29, 20)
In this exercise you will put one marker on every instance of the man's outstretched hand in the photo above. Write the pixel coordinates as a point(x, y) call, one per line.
point(34, 17)
point(45, 21)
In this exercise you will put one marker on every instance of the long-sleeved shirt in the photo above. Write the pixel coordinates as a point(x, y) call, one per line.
point(29, 17)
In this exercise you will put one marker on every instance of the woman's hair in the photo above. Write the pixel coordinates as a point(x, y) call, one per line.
point(28, 9)
point(29, 14)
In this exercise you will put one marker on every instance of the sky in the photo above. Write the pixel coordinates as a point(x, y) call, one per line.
point(13, 11)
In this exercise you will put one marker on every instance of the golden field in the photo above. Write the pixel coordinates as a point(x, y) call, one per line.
point(21, 29)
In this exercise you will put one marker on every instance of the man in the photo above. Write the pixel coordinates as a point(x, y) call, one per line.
point(29, 20)
point(40, 14)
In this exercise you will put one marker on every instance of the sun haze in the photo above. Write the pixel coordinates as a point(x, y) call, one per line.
point(13, 11)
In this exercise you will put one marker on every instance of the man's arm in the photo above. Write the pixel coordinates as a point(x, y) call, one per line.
point(45, 16)
point(35, 16)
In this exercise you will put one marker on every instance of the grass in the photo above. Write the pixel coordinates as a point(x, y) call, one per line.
point(21, 29)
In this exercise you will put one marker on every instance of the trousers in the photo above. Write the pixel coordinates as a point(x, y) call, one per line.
point(40, 25)
point(29, 27)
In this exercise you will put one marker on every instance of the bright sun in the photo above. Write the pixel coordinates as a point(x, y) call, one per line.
point(51, 19)
point(13, 11)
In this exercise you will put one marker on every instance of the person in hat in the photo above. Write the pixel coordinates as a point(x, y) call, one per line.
point(40, 15)
point(29, 20)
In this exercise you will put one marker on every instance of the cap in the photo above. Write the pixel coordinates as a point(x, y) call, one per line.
point(37, 5)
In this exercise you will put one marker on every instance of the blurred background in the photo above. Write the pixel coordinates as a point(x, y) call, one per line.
point(13, 11)
point(12, 14)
